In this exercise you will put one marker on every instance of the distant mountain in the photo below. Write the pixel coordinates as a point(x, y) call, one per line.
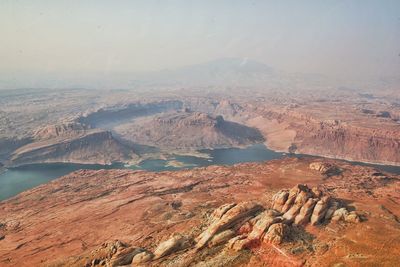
point(224, 71)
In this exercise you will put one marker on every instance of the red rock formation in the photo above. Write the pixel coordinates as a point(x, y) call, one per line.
point(76, 214)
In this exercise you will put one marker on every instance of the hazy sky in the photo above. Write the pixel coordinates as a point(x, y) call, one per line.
point(355, 38)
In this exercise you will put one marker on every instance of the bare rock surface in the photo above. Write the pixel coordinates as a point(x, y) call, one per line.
point(175, 243)
point(276, 233)
point(125, 217)
point(233, 215)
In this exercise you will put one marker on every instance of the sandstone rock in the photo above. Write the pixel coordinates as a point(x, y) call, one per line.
point(276, 233)
point(219, 212)
point(246, 228)
point(317, 192)
point(320, 210)
point(279, 199)
point(114, 253)
point(265, 220)
point(142, 257)
point(124, 256)
point(268, 218)
point(300, 200)
point(292, 197)
point(175, 243)
point(340, 214)
point(236, 243)
point(221, 238)
point(232, 216)
point(305, 212)
point(331, 209)
point(324, 167)
point(353, 217)
point(11, 225)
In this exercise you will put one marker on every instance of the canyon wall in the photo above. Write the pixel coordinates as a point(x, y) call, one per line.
point(93, 147)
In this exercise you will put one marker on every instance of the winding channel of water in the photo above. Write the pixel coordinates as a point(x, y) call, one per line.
point(16, 180)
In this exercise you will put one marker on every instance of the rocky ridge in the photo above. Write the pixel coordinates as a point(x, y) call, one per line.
point(71, 143)
point(188, 130)
point(242, 215)
point(236, 226)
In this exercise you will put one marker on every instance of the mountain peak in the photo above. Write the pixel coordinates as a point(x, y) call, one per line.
point(233, 63)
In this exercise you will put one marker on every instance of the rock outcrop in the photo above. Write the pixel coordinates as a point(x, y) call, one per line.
point(115, 253)
point(236, 226)
point(175, 243)
point(305, 205)
point(234, 217)
point(320, 210)
point(63, 129)
point(228, 219)
point(305, 212)
point(325, 168)
point(276, 233)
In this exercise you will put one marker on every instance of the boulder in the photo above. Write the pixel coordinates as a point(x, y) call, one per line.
point(317, 192)
point(352, 217)
point(305, 212)
point(113, 253)
point(221, 238)
point(267, 218)
point(320, 210)
point(236, 243)
point(276, 233)
point(292, 197)
point(124, 256)
point(232, 216)
point(324, 167)
point(219, 212)
point(279, 199)
point(300, 200)
point(254, 238)
point(175, 243)
point(142, 257)
point(340, 214)
point(331, 209)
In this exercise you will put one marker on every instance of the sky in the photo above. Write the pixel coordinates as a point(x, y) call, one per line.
point(351, 39)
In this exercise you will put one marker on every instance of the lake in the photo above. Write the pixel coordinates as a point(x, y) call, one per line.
point(16, 180)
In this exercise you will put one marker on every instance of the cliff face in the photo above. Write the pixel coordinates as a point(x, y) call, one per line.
point(349, 142)
point(320, 132)
point(97, 147)
point(62, 129)
point(8, 145)
point(188, 130)
point(242, 215)
point(104, 118)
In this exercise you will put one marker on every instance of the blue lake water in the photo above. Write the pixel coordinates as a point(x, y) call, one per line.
point(16, 180)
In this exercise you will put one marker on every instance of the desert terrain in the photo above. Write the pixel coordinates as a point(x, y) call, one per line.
point(199, 133)
point(335, 214)
point(343, 124)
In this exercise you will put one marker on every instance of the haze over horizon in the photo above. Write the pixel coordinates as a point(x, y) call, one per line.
point(53, 43)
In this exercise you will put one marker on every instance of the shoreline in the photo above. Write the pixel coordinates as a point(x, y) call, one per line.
point(171, 156)
point(349, 159)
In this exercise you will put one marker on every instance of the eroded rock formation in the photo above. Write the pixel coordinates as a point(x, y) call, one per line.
point(237, 226)
point(235, 211)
